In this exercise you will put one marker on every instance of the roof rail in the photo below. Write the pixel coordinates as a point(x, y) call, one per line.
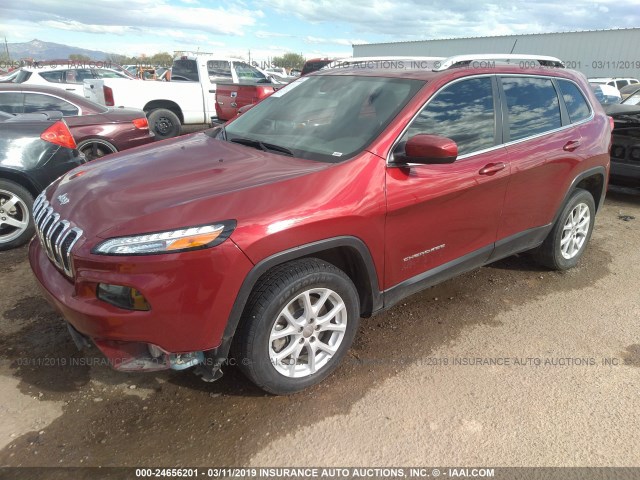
point(463, 60)
point(345, 62)
point(190, 53)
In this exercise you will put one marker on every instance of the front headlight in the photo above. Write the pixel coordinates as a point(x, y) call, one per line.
point(188, 238)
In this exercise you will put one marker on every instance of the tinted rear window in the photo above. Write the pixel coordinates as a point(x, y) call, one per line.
point(532, 104)
point(11, 102)
point(574, 100)
point(219, 70)
point(314, 65)
point(185, 69)
point(37, 102)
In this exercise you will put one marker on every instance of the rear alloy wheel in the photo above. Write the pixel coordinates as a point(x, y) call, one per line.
point(568, 239)
point(164, 123)
point(16, 225)
point(95, 148)
point(299, 322)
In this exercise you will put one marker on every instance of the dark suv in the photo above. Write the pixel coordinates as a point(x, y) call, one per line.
point(331, 200)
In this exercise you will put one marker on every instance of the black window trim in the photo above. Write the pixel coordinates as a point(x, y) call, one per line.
point(560, 102)
point(500, 119)
point(498, 115)
point(564, 105)
point(51, 95)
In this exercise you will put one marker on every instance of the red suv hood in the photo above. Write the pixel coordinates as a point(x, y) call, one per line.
point(172, 184)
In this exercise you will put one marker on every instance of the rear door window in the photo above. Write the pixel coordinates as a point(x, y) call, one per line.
point(37, 102)
point(532, 105)
point(463, 112)
point(577, 106)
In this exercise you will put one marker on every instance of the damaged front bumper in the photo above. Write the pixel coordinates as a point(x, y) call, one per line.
point(137, 356)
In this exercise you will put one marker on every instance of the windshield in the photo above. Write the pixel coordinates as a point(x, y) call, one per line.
point(633, 99)
point(22, 76)
point(325, 118)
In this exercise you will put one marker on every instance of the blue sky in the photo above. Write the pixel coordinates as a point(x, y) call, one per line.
point(272, 27)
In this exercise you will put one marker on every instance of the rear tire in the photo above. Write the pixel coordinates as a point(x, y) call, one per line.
point(567, 241)
point(16, 220)
point(298, 324)
point(95, 148)
point(164, 123)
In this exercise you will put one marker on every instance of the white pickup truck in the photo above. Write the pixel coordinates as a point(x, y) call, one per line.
point(187, 99)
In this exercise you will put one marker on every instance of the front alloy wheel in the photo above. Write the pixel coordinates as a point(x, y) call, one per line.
point(307, 333)
point(298, 323)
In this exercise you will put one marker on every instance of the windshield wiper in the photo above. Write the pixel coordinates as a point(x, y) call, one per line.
point(265, 147)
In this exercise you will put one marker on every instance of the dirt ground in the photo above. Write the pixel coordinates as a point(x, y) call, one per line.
point(415, 388)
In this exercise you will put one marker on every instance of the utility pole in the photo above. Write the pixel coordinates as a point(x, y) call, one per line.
point(6, 47)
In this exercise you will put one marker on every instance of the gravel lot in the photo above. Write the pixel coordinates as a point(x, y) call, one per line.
point(566, 391)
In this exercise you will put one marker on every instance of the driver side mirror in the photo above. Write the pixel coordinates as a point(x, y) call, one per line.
point(427, 149)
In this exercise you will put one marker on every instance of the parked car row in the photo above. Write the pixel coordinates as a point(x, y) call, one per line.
point(97, 130)
point(190, 96)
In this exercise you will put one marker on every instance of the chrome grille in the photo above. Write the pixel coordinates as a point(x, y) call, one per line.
point(57, 236)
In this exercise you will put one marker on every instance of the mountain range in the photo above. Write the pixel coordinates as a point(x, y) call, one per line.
point(39, 50)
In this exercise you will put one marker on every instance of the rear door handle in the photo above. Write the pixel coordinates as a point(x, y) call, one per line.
point(571, 145)
point(492, 168)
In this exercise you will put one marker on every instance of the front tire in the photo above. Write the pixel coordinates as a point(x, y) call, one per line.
point(567, 241)
point(16, 221)
point(164, 123)
point(299, 322)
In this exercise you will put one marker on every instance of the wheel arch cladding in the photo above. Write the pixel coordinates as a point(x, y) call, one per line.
point(349, 254)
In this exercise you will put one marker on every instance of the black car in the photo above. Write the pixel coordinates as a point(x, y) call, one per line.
point(35, 149)
point(625, 148)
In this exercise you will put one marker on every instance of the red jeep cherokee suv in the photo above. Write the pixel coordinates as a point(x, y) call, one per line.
point(331, 200)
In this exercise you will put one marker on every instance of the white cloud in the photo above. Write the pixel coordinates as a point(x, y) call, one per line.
point(85, 16)
point(265, 34)
point(415, 19)
point(333, 41)
point(72, 25)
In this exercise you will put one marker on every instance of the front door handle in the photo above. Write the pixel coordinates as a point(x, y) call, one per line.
point(492, 168)
point(571, 145)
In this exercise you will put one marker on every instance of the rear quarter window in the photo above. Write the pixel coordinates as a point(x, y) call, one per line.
point(532, 104)
point(577, 106)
